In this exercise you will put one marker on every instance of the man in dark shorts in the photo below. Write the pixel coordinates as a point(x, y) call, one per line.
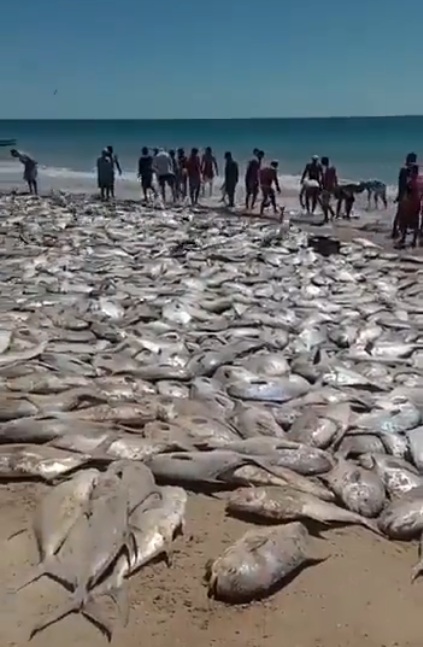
point(311, 183)
point(193, 166)
point(231, 178)
point(252, 182)
point(268, 177)
point(163, 167)
point(209, 170)
point(181, 175)
point(145, 173)
point(345, 195)
point(329, 183)
point(403, 178)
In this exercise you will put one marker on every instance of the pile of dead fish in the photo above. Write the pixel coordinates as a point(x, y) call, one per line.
point(145, 354)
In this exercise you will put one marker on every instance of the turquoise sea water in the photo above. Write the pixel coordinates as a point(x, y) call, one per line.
point(360, 147)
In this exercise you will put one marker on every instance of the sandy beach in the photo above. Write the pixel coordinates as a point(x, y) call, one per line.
point(360, 597)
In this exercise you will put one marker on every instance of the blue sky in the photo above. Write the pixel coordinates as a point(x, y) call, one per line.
point(223, 58)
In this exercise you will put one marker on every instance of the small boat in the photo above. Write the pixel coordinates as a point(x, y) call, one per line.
point(7, 142)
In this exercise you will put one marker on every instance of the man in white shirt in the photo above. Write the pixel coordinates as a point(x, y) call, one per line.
point(165, 173)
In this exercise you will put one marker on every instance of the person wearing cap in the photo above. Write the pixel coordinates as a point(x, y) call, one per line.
point(268, 179)
point(311, 181)
point(105, 175)
point(403, 177)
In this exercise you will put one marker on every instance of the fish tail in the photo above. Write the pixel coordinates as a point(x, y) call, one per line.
point(38, 572)
point(417, 570)
point(94, 613)
point(56, 616)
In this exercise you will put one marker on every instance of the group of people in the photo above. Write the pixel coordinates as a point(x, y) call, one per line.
point(193, 175)
point(319, 185)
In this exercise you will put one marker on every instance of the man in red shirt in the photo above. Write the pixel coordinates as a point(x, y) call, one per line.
point(268, 176)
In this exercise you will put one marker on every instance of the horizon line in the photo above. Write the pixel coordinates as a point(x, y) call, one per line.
point(317, 118)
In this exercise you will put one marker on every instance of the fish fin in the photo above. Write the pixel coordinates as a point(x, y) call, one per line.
point(52, 618)
point(93, 612)
point(16, 534)
point(120, 598)
point(37, 573)
point(417, 570)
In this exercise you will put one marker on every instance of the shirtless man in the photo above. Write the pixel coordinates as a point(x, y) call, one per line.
point(193, 167)
point(145, 173)
point(329, 182)
point(116, 165)
point(268, 178)
point(209, 169)
point(252, 179)
point(310, 183)
point(30, 169)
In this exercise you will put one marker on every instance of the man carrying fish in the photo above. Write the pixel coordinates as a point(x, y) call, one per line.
point(30, 170)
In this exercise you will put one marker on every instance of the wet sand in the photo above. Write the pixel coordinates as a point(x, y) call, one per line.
point(361, 596)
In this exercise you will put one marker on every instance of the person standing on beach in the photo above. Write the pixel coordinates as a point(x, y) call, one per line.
point(403, 178)
point(181, 174)
point(30, 170)
point(193, 166)
point(163, 168)
point(409, 208)
point(311, 181)
point(145, 173)
point(209, 169)
point(268, 179)
point(116, 165)
point(329, 184)
point(105, 175)
point(231, 178)
point(252, 179)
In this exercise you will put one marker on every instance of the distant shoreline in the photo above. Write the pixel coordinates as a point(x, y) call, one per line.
point(209, 119)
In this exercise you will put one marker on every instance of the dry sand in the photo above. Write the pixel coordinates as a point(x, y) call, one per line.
point(360, 597)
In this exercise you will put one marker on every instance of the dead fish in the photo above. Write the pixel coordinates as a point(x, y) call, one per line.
point(251, 421)
point(212, 467)
point(305, 460)
point(254, 475)
point(360, 490)
point(106, 533)
point(132, 447)
point(22, 356)
point(38, 461)
point(136, 415)
point(57, 513)
point(312, 429)
point(153, 531)
point(256, 563)
point(356, 445)
point(46, 383)
point(403, 518)
point(339, 376)
point(415, 443)
point(281, 390)
point(138, 482)
point(397, 475)
point(280, 504)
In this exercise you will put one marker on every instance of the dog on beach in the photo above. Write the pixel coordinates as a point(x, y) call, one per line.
point(375, 189)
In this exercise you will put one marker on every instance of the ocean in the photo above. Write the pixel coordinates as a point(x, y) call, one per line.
point(361, 148)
